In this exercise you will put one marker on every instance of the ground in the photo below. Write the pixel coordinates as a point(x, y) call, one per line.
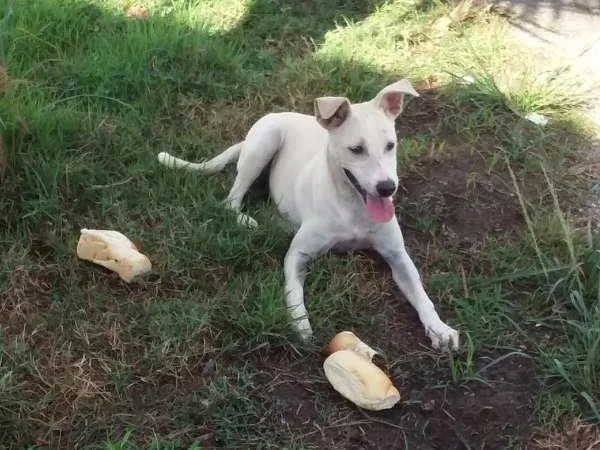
point(569, 31)
point(473, 416)
point(199, 353)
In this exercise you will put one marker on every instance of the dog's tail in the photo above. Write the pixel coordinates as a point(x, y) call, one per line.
point(216, 164)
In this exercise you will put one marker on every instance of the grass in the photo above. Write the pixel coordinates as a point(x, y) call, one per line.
point(199, 353)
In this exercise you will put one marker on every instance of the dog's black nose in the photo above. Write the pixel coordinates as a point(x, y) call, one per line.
point(386, 188)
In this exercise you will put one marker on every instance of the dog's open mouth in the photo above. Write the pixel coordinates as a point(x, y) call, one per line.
point(379, 209)
point(356, 185)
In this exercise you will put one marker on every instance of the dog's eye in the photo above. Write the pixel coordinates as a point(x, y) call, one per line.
point(357, 149)
point(389, 146)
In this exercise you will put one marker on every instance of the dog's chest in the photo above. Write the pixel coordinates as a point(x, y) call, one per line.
point(351, 245)
point(351, 240)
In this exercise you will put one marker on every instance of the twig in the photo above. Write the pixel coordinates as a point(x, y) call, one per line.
point(526, 216)
point(463, 277)
point(563, 224)
point(381, 421)
point(73, 97)
point(592, 446)
point(339, 425)
point(116, 183)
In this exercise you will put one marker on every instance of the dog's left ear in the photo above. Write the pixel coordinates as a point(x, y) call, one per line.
point(391, 98)
point(331, 112)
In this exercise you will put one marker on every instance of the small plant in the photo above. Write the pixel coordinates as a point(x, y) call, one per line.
point(576, 366)
point(463, 368)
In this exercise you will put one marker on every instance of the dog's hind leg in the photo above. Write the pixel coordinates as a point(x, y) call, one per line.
point(259, 148)
point(253, 155)
point(216, 164)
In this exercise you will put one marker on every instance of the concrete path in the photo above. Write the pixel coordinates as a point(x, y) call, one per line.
point(570, 29)
point(567, 29)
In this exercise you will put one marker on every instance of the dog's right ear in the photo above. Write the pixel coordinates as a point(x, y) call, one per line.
point(331, 112)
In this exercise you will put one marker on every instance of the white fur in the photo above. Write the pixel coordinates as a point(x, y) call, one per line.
point(307, 181)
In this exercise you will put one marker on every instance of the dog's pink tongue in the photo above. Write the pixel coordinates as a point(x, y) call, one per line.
point(380, 209)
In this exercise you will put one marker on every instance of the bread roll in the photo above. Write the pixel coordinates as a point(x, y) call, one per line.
point(347, 340)
point(360, 381)
point(114, 251)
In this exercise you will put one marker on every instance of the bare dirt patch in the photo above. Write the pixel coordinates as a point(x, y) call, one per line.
point(469, 415)
point(422, 116)
point(464, 202)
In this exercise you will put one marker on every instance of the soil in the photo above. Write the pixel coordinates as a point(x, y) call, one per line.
point(465, 416)
point(467, 206)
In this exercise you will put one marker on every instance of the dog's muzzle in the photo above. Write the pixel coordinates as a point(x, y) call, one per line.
point(356, 184)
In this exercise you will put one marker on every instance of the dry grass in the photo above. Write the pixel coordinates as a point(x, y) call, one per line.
point(574, 435)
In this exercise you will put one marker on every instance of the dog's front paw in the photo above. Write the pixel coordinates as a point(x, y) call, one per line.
point(304, 329)
point(442, 336)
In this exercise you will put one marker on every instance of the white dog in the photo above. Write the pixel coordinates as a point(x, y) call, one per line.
point(333, 176)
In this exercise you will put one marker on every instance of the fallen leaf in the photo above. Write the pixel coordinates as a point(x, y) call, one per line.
point(462, 11)
point(442, 25)
point(138, 12)
point(536, 118)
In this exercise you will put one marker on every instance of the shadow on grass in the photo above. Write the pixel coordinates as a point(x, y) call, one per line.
point(102, 96)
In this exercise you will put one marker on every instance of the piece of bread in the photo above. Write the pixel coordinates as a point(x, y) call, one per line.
point(347, 340)
point(360, 381)
point(114, 251)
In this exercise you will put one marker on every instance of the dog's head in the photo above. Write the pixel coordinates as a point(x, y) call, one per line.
point(362, 142)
